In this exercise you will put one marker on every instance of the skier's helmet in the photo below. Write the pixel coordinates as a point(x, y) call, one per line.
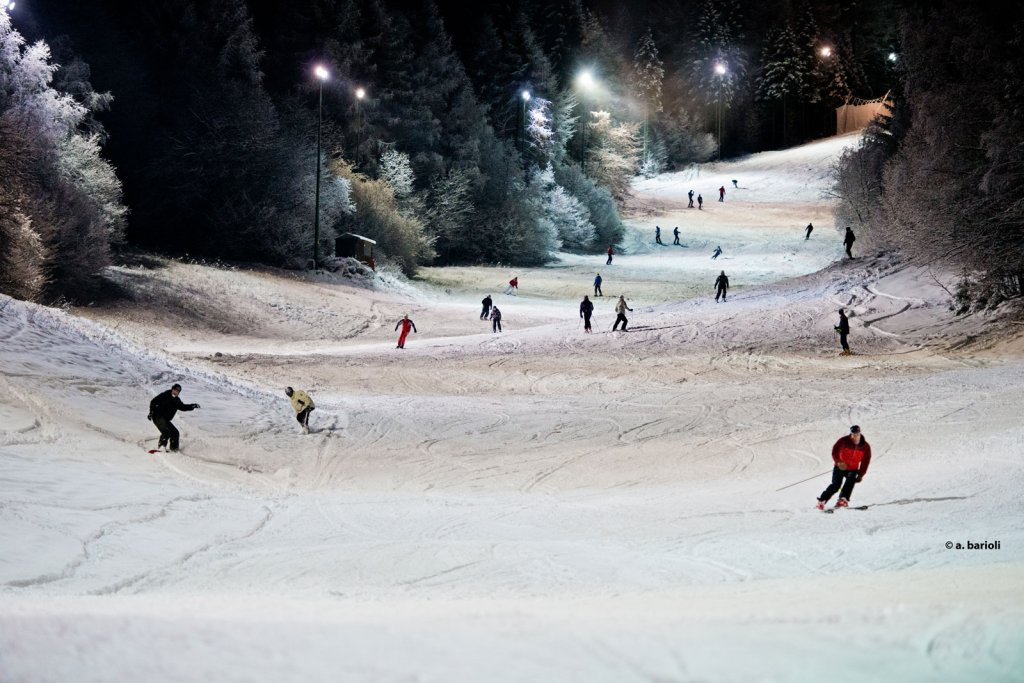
point(289, 391)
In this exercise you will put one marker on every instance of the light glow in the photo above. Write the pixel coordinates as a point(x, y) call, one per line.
point(321, 73)
point(526, 96)
point(585, 79)
point(360, 93)
point(720, 69)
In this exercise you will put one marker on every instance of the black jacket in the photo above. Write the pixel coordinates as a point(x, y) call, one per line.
point(487, 302)
point(586, 307)
point(722, 282)
point(844, 325)
point(166, 406)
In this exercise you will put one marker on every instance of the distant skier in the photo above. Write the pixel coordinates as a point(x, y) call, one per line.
point(495, 320)
point(485, 312)
point(690, 195)
point(406, 326)
point(721, 286)
point(700, 201)
point(721, 193)
point(849, 240)
point(586, 310)
point(657, 235)
point(810, 229)
point(513, 286)
point(303, 406)
point(610, 252)
point(716, 253)
point(597, 285)
point(851, 455)
point(676, 234)
point(162, 410)
point(620, 309)
point(734, 184)
point(843, 329)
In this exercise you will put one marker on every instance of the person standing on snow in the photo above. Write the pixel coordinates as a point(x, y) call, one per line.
point(610, 252)
point(485, 312)
point(851, 455)
point(657, 235)
point(620, 309)
point(303, 406)
point(676, 233)
point(700, 201)
point(721, 193)
point(513, 285)
point(722, 286)
point(810, 229)
point(843, 328)
point(597, 285)
point(716, 253)
point(586, 310)
point(406, 325)
point(495, 320)
point(848, 241)
point(735, 183)
point(690, 195)
point(162, 410)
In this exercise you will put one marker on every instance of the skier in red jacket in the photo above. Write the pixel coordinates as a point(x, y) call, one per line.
point(851, 455)
point(406, 325)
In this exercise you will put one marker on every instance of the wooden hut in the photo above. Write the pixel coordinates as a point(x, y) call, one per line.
point(357, 247)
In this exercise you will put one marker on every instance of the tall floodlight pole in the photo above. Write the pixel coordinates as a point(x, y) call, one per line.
point(322, 75)
point(826, 53)
point(360, 94)
point(585, 83)
point(525, 97)
point(720, 70)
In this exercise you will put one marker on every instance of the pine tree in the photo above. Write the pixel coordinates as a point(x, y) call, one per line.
point(783, 70)
point(649, 72)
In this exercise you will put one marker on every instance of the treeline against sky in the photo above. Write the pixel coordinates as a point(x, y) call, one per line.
point(942, 180)
point(212, 128)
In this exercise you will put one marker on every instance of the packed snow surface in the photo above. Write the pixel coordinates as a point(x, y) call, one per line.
point(535, 505)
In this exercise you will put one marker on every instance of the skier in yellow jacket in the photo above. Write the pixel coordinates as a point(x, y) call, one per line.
point(303, 405)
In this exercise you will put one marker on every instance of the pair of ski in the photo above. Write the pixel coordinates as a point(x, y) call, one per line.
point(829, 511)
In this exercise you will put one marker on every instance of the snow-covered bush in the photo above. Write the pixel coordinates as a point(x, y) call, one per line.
point(562, 212)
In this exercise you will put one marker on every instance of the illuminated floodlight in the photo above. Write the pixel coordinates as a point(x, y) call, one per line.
point(585, 79)
point(360, 93)
point(526, 96)
point(321, 73)
point(720, 69)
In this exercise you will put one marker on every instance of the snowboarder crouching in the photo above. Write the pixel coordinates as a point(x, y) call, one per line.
point(162, 410)
point(303, 405)
point(851, 455)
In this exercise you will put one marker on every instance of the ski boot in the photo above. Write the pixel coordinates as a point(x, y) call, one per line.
point(842, 503)
point(820, 505)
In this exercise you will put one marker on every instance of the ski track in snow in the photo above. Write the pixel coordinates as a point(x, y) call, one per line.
point(538, 504)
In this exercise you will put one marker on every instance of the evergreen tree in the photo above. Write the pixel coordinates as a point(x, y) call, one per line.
point(649, 72)
point(783, 72)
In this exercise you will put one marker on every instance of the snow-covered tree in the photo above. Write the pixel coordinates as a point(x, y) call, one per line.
point(649, 72)
point(613, 153)
point(396, 170)
point(61, 201)
point(568, 216)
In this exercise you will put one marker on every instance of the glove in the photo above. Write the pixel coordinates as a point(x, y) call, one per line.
point(860, 478)
point(150, 417)
point(195, 405)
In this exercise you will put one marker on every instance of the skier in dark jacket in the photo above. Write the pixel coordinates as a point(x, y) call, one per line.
point(586, 310)
point(722, 286)
point(851, 455)
point(716, 253)
point(810, 229)
point(700, 201)
point(162, 410)
point(657, 235)
point(597, 285)
point(676, 233)
point(690, 195)
point(848, 241)
point(486, 311)
point(495, 320)
point(843, 328)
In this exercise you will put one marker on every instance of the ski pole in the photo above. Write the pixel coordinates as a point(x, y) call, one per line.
point(801, 481)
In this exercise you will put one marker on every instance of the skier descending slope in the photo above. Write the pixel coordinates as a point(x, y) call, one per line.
point(851, 455)
point(406, 325)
